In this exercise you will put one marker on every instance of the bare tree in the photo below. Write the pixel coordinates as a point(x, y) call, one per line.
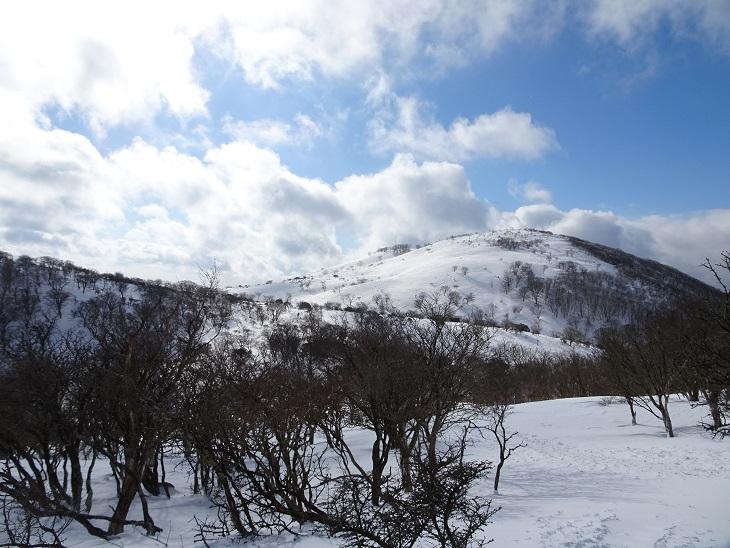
point(374, 368)
point(140, 353)
point(650, 361)
point(496, 417)
point(710, 339)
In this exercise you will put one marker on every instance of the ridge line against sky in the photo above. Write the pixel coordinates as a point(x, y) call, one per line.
point(152, 139)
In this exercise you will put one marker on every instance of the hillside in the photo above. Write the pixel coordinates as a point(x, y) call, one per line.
point(50, 291)
point(543, 280)
point(526, 280)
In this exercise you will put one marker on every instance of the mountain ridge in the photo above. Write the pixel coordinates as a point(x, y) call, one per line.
point(547, 281)
point(525, 279)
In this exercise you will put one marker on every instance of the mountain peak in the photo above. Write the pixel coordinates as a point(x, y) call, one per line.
point(543, 280)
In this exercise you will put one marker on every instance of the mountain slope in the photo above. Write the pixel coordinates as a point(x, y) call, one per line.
point(544, 280)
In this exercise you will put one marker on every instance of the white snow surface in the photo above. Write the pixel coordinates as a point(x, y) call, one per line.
point(587, 478)
point(438, 265)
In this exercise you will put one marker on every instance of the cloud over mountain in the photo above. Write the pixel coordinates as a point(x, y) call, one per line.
point(110, 153)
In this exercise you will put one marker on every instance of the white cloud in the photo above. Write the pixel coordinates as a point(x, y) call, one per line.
point(530, 192)
point(303, 131)
point(683, 241)
point(633, 23)
point(107, 62)
point(411, 202)
point(118, 63)
point(502, 134)
point(157, 211)
point(58, 172)
point(303, 39)
point(160, 212)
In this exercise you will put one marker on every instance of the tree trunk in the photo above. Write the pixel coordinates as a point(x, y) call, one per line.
point(89, 491)
point(378, 467)
point(127, 493)
point(630, 401)
point(432, 439)
point(149, 523)
point(151, 481)
point(497, 473)
point(713, 398)
point(377, 479)
point(196, 481)
point(205, 479)
point(163, 477)
point(77, 477)
point(405, 465)
point(405, 472)
point(667, 422)
point(232, 507)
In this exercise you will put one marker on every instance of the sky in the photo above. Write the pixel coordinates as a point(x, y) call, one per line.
point(276, 138)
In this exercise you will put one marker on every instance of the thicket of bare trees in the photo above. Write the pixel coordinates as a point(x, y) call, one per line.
point(93, 378)
point(683, 348)
point(128, 373)
point(103, 374)
point(648, 363)
point(277, 429)
point(646, 356)
point(710, 340)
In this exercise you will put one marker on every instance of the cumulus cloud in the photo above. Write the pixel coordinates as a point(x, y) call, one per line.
point(112, 65)
point(502, 134)
point(48, 177)
point(301, 40)
point(84, 58)
point(124, 62)
point(411, 202)
point(159, 211)
point(683, 241)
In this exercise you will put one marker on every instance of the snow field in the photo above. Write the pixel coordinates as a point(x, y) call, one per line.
point(587, 478)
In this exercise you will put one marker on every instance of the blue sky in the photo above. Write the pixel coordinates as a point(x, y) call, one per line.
point(281, 138)
point(640, 133)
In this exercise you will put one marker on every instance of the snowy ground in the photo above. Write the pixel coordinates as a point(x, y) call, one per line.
point(587, 478)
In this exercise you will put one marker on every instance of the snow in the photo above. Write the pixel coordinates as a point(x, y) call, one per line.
point(586, 478)
point(590, 478)
point(432, 267)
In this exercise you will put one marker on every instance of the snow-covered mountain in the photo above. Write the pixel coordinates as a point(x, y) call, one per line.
point(545, 281)
point(527, 280)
